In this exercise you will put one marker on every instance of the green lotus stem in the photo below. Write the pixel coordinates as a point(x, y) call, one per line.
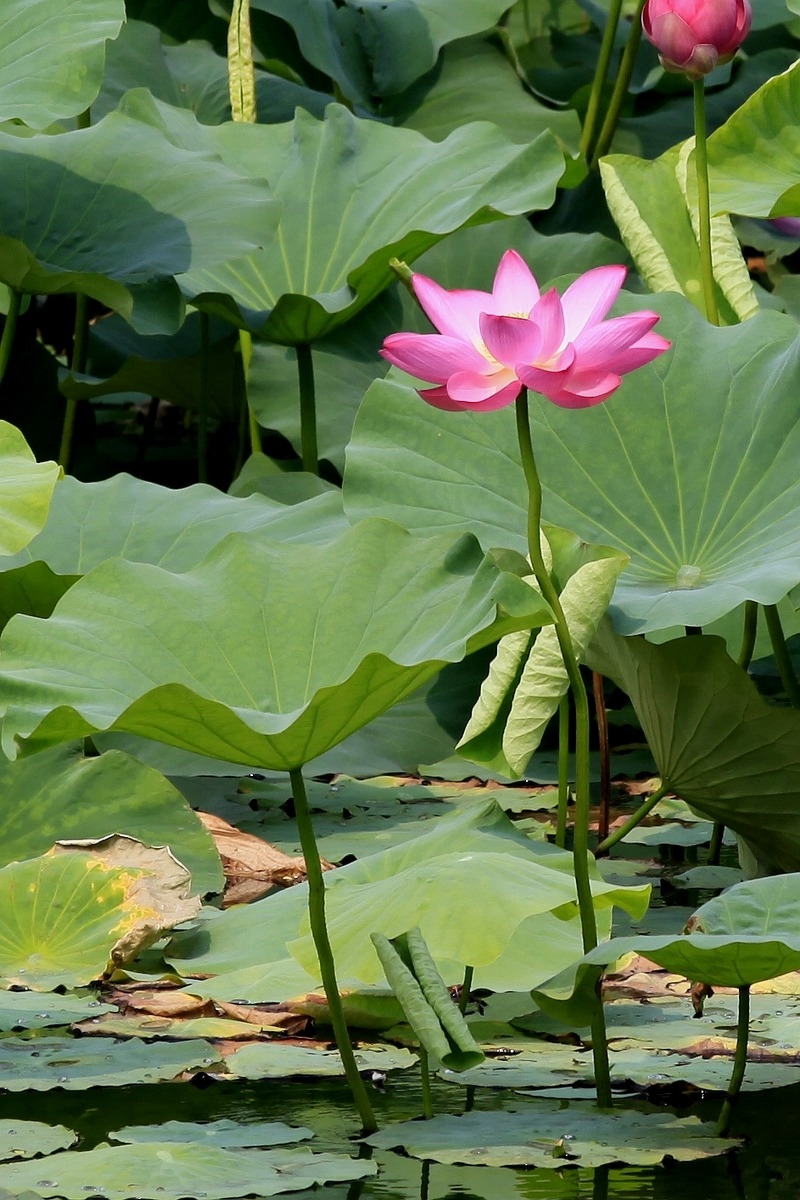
point(202, 416)
point(781, 652)
point(580, 843)
point(627, 63)
point(601, 719)
point(739, 1062)
point(563, 772)
point(466, 988)
point(241, 72)
point(632, 821)
point(319, 932)
point(9, 328)
point(424, 1180)
point(80, 347)
point(704, 201)
point(600, 73)
point(749, 633)
point(308, 409)
point(246, 351)
point(715, 845)
point(425, 1079)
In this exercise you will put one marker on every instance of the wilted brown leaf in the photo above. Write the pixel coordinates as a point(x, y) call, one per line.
point(252, 866)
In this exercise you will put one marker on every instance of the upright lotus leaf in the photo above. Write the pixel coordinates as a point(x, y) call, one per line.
point(690, 469)
point(330, 255)
point(717, 743)
point(82, 911)
point(116, 210)
point(263, 654)
point(143, 522)
point(526, 682)
point(746, 935)
point(51, 56)
point(649, 202)
point(26, 489)
point(60, 794)
point(372, 48)
point(754, 158)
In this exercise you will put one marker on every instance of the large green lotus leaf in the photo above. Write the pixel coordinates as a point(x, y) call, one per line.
point(28, 1010)
point(754, 158)
point(26, 489)
point(223, 1132)
point(330, 255)
point(682, 469)
point(176, 1170)
point(51, 56)
point(116, 210)
point(551, 1136)
point(60, 795)
point(386, 891)
point(264, 654)
point(373, 48)
point(478, 83)
point(144, 522)
point(271, 1060)
point(28, 1139)
point(78, 1063)
point(649, 202)
point(717, 743)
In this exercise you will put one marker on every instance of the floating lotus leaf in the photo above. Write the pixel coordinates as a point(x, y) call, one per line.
point(224, 1132)
point(84, 913)
point(116, 210)
point(51, 56)
point(271, 1060)
point(26, 489)
point(682, 469)
point(330, 255)
point(78, 1063)
point(31, 1010)
point(181, 1171)
point(717, 743)
point(29, 1139)
point(754, 158)
point(242, 659)
point(544, 1135)
point(60, 794)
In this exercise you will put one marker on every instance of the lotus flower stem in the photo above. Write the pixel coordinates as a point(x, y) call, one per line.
point(581, 828)
point(635, 819)
point(739, 1062)
point(246, 351)
point(9, 329)
point(715, 845)
point(627, 63)
point(600, 73)
point(319, 932)
point(308, 409)
point(563, 772)
point(425, 1079)
point(80, 346)
point(781, 652)
point(466, 988)
point(202, 416)
point(601, 720)
point(704, 201)
point(749, 633)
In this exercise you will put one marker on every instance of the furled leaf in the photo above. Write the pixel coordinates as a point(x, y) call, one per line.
point(330, 256)
point(26, 489)
point(59, 794)
point(754, 158)
point(116, 210)
point(689, 469)
point(29, 1139)
point(550, 1136)
point(76, 1064)
point(51, 56)
point(180, 1171)
point(269, 671)
point(717, 743)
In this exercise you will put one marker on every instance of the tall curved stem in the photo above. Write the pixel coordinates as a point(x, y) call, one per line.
point(621, 84)
point(9, 328)
point(739, 1062)
point(704, 202)
point(308, 409)
point(319, 932)
point(600, 73)
point(582, 780)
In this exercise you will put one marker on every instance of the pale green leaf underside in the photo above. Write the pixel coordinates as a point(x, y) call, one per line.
point(26, 489)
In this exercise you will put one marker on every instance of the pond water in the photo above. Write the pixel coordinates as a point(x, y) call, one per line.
point(767, 1168)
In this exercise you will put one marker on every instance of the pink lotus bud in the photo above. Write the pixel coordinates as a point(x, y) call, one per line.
point(695, 36)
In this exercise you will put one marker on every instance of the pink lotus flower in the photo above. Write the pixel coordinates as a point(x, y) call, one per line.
point(695, 36)
point(490, 345)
